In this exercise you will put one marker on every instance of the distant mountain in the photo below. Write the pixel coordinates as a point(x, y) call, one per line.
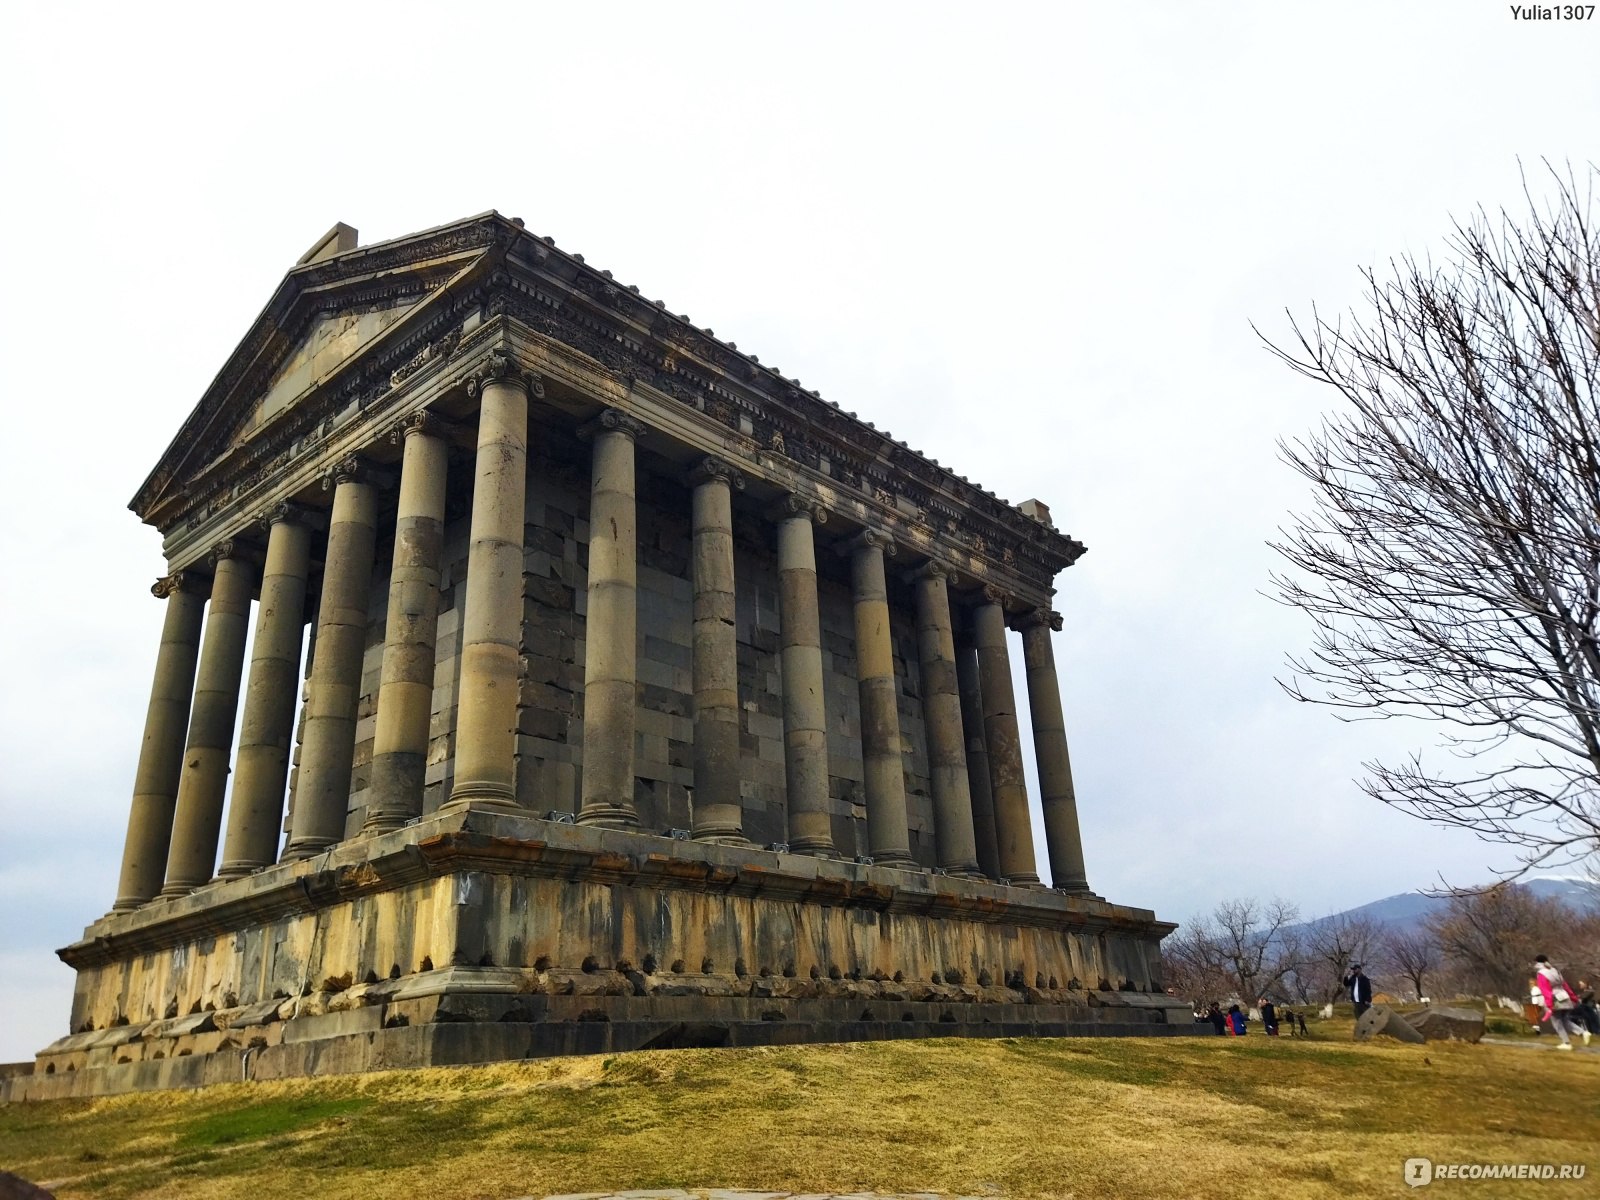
point(1406, 910)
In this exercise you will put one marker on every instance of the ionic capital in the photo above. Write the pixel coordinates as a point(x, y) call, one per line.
point(227, 548)
point(283, 512)
point(503, 366)
point(614, 420)
point(422, 423)
point(346, 470)
point(872, 539)
point(1037, 617)
point(795, 505)
point(934, 569)
point(178, 581)
point(714, 468)
point(995, 595)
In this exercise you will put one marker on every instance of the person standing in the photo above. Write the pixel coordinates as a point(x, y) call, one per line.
point(1215, 1015)
point(1236, 1020)
point(1560, 1005)
point(1269, 1016)
point(1360, 989)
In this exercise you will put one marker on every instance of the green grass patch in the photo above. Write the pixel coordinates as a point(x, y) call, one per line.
point(263, 1120)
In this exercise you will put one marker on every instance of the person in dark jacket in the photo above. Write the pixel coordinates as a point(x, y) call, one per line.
point(1214, 1015)
point(1359, 988)
point(1236, 1020)
point(1269, 1016)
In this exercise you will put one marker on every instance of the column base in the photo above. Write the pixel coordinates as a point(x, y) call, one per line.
point(384, 823)
point(240, 870)
point(1024, 881)
point(483, 793)
point(898, 859)
point(175, 891)
point(122, 905)
point(814, 848)
point(1079, 889)
point(724, 839)
point(964, 871)
point(608, 814)
point(310, 848)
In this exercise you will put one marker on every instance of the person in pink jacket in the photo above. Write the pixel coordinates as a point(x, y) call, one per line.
point(1560, 1005)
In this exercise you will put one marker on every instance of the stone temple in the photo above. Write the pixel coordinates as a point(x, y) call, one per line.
point(604, 689)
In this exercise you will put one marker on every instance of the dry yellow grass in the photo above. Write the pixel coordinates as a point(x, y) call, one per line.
point(1200, 1117)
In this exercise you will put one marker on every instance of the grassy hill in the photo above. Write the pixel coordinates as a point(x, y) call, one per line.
point(1201, 1117)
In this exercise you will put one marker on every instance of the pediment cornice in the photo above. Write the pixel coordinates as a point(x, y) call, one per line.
point(489, 266)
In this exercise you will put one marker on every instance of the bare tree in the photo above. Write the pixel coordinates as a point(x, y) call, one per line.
point(1451, 561)
point(1335, 943)
point(1412, 954)
point(1243, 948)
point(1492, 937)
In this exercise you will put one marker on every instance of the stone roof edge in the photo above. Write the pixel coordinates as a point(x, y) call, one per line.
point(490, 230)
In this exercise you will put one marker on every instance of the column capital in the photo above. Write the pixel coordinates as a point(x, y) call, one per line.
point(712, 467)
point(614, 420)
point(870, 539)
point(423, 423)
point(995, 595)
point(934, 569)
point(178, 581)
point(346, 470)
point(793, 504)
point(1036, 617)
point(227, 548)
point(503, 366)
point(284, 511)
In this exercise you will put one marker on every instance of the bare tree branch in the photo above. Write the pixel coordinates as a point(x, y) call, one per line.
point(1450, 563)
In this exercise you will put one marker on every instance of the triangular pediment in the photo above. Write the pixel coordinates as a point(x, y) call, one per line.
point(333, 338)
point(327, 315)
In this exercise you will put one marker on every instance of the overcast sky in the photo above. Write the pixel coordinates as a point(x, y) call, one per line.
point(1028, 239)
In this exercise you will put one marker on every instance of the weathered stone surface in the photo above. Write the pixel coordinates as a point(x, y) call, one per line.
point(1382, 1021)
point(1448, 1024)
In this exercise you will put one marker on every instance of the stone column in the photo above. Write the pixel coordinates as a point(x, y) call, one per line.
point(405, 689)
point(1013, 827)
point(155, 782)
point(978, 782)
point(888, 830)
point(805, 728)
point(198, 821)
point(328, 743)
point(491, 626)
point(256, 810)
point(610, 662)
point(718, 815)
point(1060, 803)
point(941, 710)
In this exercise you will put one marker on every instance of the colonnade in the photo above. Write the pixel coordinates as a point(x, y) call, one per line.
point(981, 818)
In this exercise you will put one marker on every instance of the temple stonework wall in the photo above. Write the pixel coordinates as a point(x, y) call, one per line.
point(549, 766)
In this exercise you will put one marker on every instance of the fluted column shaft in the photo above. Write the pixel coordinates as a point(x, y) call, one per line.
point(155, 782)
point(805, 731)
point(888, 829)
point(978, 782)
point(610, 668)
point(718, 814)
point(491, 626)
point(328, 743)
point(405, 688)
point(1013, 827)
point(1061, 835)
point(256, 810)
point(941, 709)
point(198, 820)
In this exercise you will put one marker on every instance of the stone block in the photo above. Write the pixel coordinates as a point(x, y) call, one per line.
point(1448, 1024)
point(1382, 1021)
